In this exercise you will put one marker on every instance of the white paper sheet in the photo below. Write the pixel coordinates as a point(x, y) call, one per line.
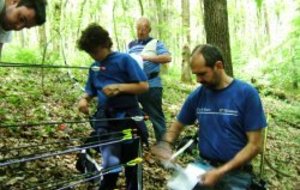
point(187, 178)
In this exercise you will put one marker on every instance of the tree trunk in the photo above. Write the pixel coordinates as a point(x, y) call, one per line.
point(202, 32)
point(217, 30)
point(159, 26)
point(267, 24)
point(159, 16)
point(294, 52)
point(43, 42)
point(42, 36)
point(115, 26)
point(186, 69)
point(22, 38)
point(129, 22)
point(56, 25)
point(141, 7)
point(80, 16)
point(185, 66)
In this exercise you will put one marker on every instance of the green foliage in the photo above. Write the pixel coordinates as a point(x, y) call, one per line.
point(282, 72)
point(176, 90)
point(49, 129)
point(282, 69)
point(259, 3)
point(27, 55)
point(24, 98)
point(53, 58)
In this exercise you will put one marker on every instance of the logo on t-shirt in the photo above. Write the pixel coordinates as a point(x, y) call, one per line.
point(221, 111)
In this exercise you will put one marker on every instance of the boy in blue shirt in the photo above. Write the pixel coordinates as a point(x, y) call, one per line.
point(231, 120)
point(115, 83)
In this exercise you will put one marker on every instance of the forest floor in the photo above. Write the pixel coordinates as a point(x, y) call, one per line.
point(26, 96)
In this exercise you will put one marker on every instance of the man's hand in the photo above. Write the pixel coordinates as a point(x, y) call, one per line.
point(162, 151)
point(111, 90)
point(83, 106)
point(241, 158)
point(210, 178)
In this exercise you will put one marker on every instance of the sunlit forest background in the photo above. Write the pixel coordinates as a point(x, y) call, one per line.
point(264, 39)
point(264, 34)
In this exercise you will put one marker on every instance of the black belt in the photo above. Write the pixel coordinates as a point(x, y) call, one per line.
point(216, 163)
point(122, 101)
point(153, 75)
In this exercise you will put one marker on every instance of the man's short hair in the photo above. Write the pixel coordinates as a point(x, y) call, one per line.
point(39, 6)
point(211, 54)
point(92, 37)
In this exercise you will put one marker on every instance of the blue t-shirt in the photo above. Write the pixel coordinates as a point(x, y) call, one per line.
point(224, 117)
point(150, 68)
point(115, 68)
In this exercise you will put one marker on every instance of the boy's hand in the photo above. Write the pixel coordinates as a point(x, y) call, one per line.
point(83, 106)
point(111, 90)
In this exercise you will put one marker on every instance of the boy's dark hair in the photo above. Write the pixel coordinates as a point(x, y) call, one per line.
point(92, 37)
point(211, 54)
point(39, 6)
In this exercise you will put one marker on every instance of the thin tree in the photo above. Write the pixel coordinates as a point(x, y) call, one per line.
point(82, 6)
point(141, 7)
point(42, 36)
point(159, 17)
point(159, 28)
point(56, 25)
point(186, 70)
point(115, 25)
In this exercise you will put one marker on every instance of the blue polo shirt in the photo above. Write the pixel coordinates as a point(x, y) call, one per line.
point(137, 46)
point(224, 117)
point(115, 68)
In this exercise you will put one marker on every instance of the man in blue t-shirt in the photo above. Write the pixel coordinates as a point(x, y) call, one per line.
point(153, 54)
point(115, 79)
point(231, 120)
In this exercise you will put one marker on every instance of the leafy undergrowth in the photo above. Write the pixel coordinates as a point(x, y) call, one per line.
point(29, 96)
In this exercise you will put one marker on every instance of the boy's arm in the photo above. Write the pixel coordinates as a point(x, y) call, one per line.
point(126, 88)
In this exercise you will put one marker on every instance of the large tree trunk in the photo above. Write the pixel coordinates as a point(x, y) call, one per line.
point(217, 31)
point(186, 69)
